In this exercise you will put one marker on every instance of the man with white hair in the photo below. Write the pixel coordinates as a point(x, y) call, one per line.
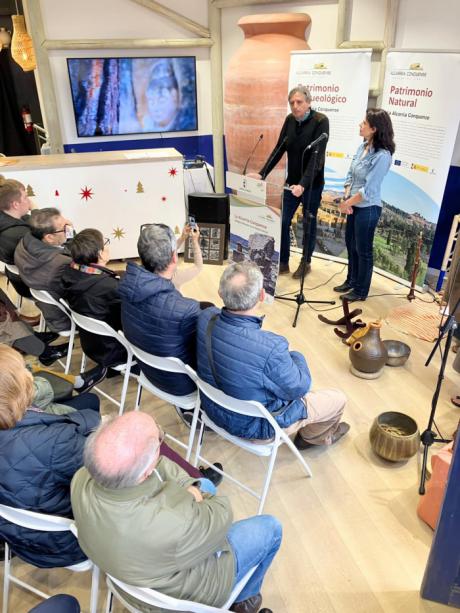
point(235, 355)
point(144, 520)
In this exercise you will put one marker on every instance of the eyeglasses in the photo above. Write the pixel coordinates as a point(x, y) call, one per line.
point(106, 241)
point(161, 436)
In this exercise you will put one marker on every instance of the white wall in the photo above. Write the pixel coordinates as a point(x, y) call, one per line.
point(421, 24)
point(65, 19)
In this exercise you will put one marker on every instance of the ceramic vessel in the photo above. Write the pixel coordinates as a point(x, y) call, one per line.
point(394, 436)
point(256, 88)
point(368, 354)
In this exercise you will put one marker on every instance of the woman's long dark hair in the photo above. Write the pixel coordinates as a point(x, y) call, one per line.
point(383, 136)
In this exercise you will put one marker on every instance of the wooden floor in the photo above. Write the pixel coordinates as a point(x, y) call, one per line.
point(352, 539)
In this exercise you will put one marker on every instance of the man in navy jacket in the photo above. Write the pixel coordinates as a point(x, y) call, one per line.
point(251, 364)
point(155, 315)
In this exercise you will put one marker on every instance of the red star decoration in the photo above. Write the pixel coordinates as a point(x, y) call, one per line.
point(163, 198)
point(172, 172)
point(86, 193)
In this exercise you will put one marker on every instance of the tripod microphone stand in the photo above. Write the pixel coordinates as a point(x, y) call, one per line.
point(299, 298)
point(429, 437)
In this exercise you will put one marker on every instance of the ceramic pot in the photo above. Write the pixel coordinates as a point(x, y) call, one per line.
point(394, 436)
point(256, 89)
point(368, 354)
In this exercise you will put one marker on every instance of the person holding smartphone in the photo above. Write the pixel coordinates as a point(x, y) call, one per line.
point(184, 275)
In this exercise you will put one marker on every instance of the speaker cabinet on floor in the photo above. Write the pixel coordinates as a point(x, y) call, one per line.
point(211, 208)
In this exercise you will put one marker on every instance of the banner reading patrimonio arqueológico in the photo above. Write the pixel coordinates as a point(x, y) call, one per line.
point(421, 93)
point(339, 81)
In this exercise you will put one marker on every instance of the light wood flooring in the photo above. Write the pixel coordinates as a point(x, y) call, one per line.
point(352, 539)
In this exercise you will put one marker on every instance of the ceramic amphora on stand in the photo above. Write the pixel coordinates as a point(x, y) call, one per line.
point(256, 89)
point(368, 354)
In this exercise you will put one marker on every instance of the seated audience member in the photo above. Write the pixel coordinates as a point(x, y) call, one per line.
point(91, 289)
point(15, 208)
point(41, 258)
point(42, 447)
point(251, 364)
point(143, 520)
point(155, 315)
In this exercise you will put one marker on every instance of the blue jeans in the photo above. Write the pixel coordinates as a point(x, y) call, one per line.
point(255, 542)
point(83, 401)
point(290, 205)
point(359, 239)
point(61, 603)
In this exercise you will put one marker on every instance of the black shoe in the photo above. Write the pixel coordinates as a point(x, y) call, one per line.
point(352, 297)
point(250, 605)
point(345, 287)
point(283, 268)
point(53, 353)
point(47, 337)
point(91, 378)
point(186, 417)
point(211, 474)
point(342, 429)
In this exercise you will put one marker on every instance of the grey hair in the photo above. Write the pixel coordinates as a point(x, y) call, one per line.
point(156, 246)
point(241, 296)
point(300, 89)
point(122, 478)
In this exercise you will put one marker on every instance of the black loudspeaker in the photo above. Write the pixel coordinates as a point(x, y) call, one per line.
point(211, 208)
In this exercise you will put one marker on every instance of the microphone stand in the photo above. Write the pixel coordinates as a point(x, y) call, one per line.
point(429, 437)
point(299, 298)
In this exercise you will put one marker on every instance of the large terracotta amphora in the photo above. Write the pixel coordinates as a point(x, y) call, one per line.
point(256, 89)
point(368, 354)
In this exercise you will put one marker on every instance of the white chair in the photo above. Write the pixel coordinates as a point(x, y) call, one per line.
point(15, 271)
point(101, 328)
point(154, 598)
point(251, 408)
point(46, 523)
point(169, 364)
point(45, 297)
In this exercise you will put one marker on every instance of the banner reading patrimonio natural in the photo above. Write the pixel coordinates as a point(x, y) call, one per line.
point(421, 93)
point(339, 81)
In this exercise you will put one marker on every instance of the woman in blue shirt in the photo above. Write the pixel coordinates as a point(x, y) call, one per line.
point(362, 202)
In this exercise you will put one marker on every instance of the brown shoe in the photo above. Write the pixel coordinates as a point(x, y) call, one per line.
point(342, 429)
point(284, 268)
point(298, 272)
point(31, 321)
point(250, 605)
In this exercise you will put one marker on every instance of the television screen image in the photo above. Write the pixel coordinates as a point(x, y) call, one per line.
point(113, 96)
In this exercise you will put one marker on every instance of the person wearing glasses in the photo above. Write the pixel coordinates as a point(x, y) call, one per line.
point(91, 289)
point(155, 315)
point(42, 256)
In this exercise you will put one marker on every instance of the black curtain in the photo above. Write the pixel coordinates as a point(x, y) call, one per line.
point(14, 140)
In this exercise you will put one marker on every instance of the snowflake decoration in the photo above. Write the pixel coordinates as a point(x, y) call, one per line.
point(86, 193)
point(172, 172)
point(118, 233)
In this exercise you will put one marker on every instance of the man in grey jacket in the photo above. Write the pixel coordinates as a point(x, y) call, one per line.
point(142, 519)
point(41, 259)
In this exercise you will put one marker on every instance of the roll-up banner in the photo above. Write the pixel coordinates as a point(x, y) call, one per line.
point(338, 80)
point(421, 93)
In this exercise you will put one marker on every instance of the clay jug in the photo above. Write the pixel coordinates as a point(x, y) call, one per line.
point(368, 354)
point(256, 89)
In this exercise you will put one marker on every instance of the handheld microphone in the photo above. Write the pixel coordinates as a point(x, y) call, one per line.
point(274, 154)
point(252, 153)
point(323, 136)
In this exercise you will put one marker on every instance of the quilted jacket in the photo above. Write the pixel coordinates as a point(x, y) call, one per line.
point(251, 364)
point(158, 319)
point(39, 458)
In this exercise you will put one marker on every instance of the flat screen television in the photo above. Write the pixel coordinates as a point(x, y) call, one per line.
point(133, 95)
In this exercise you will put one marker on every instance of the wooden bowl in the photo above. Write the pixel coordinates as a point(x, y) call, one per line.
point(398, 353)
point(394, 436)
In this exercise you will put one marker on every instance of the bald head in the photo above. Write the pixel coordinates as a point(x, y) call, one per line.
point(241, 285)
point(123, 451)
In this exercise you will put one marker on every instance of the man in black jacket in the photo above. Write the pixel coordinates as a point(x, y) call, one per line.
point(15, 208)
point(301, 127)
